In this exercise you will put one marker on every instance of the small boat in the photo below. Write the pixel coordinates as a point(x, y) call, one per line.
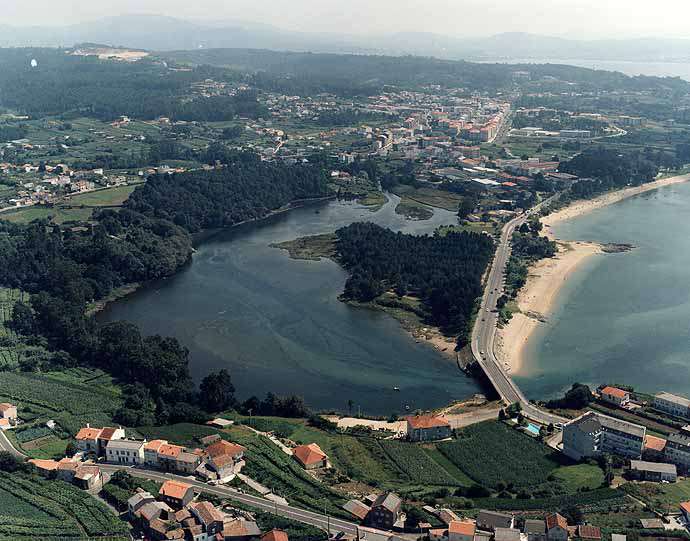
point(396, 388)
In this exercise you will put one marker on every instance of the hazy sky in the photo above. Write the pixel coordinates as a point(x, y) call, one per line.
point(569, 18)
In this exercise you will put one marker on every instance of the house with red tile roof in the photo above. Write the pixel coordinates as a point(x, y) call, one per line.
point(614, 395)
point(461, 531)
point(310, 456)
point(427, 428)
point(587, 531)
point(685, 510)
point(95, 440)
point(556, 528)
point(176, 494)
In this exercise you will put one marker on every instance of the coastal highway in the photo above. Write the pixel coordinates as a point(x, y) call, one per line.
point(484, 331)
point(334, 525)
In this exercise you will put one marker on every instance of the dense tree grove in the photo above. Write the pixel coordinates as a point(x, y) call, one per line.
point(247, 189)
point(443, 271)
point(603, 169)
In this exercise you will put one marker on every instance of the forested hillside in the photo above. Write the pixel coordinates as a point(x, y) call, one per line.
point(608, 170)
point(105, 89)
point(443, 271)
point(246, 190)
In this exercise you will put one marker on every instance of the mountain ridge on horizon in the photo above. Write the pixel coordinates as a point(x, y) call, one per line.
point(164, 33)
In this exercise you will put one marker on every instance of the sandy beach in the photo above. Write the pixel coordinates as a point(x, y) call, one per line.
point(546, 278)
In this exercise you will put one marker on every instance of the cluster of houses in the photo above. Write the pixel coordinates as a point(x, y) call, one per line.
point(220, 460)
point(72, 470)
point(495, 526)
point(382, 512)
point(176, 513)
point(594, 433)
point(8, 416)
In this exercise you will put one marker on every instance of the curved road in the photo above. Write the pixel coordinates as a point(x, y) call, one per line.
point(484, 331)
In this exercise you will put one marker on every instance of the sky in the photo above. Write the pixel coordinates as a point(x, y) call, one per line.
point(586, 19)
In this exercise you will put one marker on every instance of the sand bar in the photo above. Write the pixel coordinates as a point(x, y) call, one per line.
point(537, 299)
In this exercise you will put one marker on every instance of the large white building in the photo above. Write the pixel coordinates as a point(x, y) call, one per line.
point(125, 451)
point(592, 434)
point(672, 404)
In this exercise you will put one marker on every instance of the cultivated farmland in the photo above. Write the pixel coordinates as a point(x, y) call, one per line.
point(491, 453)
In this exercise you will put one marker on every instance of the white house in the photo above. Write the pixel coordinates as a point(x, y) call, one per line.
point(615, 396)
point(125, 452)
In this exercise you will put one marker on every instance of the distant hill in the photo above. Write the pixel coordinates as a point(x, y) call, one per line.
point(163, 33)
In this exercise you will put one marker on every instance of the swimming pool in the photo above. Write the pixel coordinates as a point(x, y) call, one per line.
point(533, 429)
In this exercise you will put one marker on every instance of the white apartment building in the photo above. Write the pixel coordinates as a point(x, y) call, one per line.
point(672, 404)
point(592, 434)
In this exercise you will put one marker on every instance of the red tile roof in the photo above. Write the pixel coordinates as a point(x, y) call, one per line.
point(461, 528)
point(685, 506)
point(556, 520)
point(223, 447)
point(48, 465)
point(88, 433)
point(587, 531)
point(275, 535)
point(614, 391)
point(309, 454)
point(107, 433)
point(426, 421)
point(174, 489)
point(654, 443)
point(170, 451)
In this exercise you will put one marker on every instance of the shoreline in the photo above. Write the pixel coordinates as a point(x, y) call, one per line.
point(197, 239)
point(537, 299)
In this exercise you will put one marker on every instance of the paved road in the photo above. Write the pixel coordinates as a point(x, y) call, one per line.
point(6, 445)
point(484, 331)
point(300, 515)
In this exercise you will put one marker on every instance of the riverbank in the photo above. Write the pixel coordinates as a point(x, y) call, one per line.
point(538, 297)
point(404, 310)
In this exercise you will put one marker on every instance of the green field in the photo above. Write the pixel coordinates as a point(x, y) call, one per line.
point(491, 453)
point(579, 476)
point(102, 198)
point(76, 208)
point(71, 398)
point(52, 511)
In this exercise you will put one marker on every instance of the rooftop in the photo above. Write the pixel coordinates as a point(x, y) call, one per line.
point(658, 467)
point(462, 528)
point(309, 454)
point(426, 421)
point(653, 443)
point(174, 489)
point(614, 391)
point(680, 400)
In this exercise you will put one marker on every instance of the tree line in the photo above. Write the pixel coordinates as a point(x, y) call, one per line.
point(444, 272)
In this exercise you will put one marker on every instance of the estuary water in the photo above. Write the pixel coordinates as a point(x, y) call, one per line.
point(624, 318)
point(276, 324)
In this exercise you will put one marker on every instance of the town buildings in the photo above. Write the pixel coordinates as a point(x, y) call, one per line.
point(176, 494)
point(592, 434)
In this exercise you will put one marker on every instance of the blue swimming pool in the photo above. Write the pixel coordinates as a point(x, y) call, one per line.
point(533, 429)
